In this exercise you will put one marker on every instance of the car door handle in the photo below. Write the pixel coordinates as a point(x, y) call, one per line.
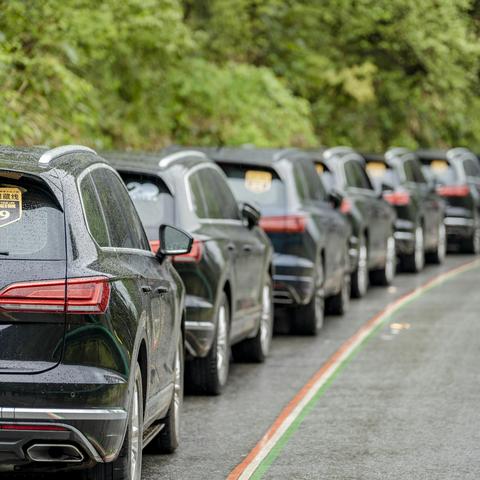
point(247, 248)
point(231, 247)
point(146, 288)
point(161, 290)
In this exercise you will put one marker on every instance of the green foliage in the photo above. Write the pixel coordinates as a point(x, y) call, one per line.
point(145, 73)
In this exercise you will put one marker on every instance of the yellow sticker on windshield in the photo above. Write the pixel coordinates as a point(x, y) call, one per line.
point(10, 205)
point(258, 181)
point(376, 169)
point(320, 168)
point(439, 165)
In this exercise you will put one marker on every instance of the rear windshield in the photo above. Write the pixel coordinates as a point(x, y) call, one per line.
point(256, 184)
point(152, 200)
point(441, 170)
point(32, 224)
point(380, 172)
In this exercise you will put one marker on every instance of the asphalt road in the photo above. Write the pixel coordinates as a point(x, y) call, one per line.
point(405, 407)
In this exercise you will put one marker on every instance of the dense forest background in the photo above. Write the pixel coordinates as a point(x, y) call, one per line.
point(146, 73)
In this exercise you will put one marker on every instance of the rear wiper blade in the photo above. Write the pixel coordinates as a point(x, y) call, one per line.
point(5, 253)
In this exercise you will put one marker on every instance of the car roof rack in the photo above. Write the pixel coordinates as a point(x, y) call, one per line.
point(57, 152)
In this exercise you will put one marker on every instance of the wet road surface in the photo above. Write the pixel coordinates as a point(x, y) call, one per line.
point(403, 408)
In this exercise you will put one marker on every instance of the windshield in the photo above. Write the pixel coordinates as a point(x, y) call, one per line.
point(152, 200)
point(31, 222)
point(256, 184)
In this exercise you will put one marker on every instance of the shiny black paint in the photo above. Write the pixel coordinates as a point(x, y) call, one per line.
point(235, 259)
point(425, 209)
point(462, 214)
point(369, 214)
point(298, 256)
point(91, 362)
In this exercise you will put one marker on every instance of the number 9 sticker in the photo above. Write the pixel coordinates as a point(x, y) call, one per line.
point(10, 205)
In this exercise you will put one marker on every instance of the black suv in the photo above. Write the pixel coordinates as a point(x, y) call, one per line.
point(342, 170)
point(419, 229)
point(228, 273)
point(309, 236)
point(91, 347)
point(456, 173)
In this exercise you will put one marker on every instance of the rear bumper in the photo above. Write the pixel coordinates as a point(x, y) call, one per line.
point(293, 282)
point(96, 433)
point(90, 403)
point(404, 237)
point(199, 326)
point(459, 227)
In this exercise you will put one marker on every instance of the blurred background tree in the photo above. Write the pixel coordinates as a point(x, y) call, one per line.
point(146, 73)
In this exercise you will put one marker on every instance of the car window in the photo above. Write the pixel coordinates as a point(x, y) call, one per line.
point(261, 185)
point(472, 168)
point(196, 195)
point(31, 222)
point(417, 172)
point(219, 199)
point(326, 176)
point(441, 170)
point(408, 171)
point(124, 227)
point(316, 190)
point(153, 201)
point(300, 182)
point(355, 175)
point(380, 172)
point(93, 212)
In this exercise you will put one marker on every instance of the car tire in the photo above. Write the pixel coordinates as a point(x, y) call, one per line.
point(256, 349)
point(472, 244)
point(308, 319)
point(209, 374)
point(128, 464)
point(168, 438)
point(385, 275)
point(359, 279)
point(338, 304)
point(415, 262)
point(438, 255)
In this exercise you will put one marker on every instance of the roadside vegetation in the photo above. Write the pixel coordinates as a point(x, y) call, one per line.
point(146, 73)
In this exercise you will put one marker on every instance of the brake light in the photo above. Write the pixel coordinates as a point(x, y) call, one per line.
point(397, 199)
point(33, 428)
point(284, 224)
point(453, 190)
point(154, 245)
point(346, 206)
point(194, 256)
point(76, 295)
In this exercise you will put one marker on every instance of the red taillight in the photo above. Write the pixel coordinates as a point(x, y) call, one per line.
point(154, 245)
point(398, 199)
point(33, 428)
point(76, 295)
point(194, 256)
point(453, 190)
point(284, 224)
point(346, 206)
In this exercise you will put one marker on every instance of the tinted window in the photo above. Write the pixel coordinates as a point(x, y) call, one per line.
point(300, 182)
point(472, 169)
point(316, 190)
point(219, 200)
point(380, 172)
point(196, 195)
point(124, 227)
point(260, 185)
point(442, 170)
point(31, 223)
point(408, 170)
point(153, 201)
point(356, 176)
point(93, 212)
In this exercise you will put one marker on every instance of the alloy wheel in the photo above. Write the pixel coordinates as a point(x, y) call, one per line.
point(266, 327)
point(390, 259)
point(223, 357)
point(419, 249)
point(135, 434)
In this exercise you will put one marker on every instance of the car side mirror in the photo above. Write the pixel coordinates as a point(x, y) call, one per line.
point(250, 215)
point(335, 198)
point(173, 241)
